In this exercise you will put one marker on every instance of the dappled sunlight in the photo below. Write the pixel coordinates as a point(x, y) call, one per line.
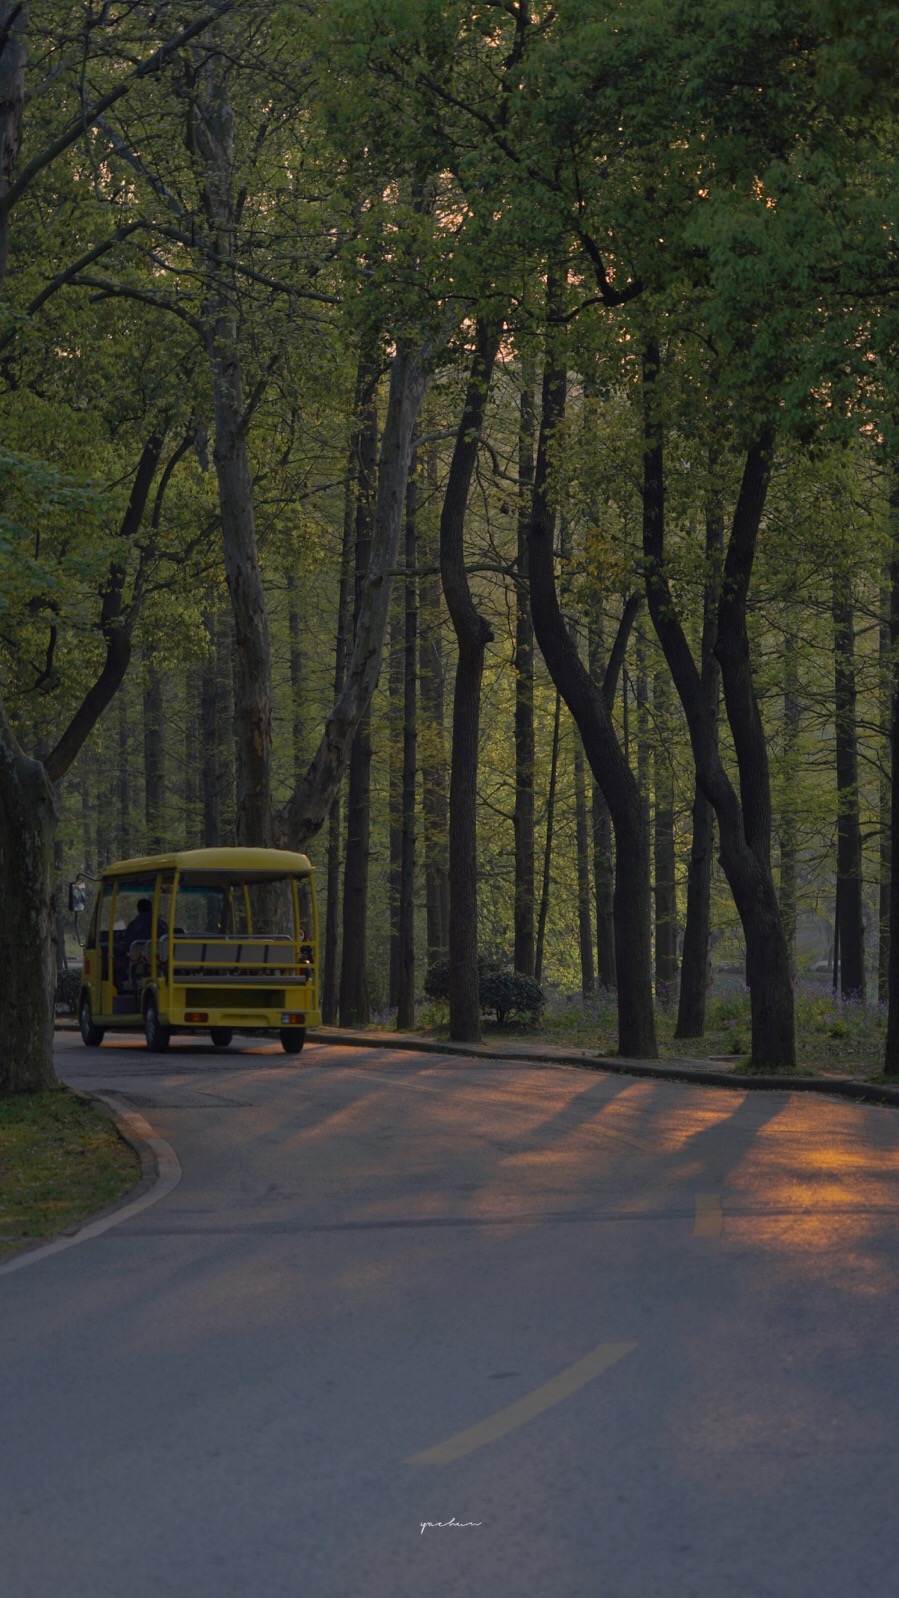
point(806, 1190)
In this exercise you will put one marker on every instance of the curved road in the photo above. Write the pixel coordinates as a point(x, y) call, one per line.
point(629, 1339)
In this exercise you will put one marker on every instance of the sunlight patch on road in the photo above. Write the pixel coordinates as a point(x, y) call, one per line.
point(708, 1218)
point(506, 1420)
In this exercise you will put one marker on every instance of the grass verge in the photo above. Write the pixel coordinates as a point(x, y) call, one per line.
point(61, 1160)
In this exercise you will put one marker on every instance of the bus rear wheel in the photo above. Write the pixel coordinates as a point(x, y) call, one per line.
point(292, 1039)
point(158, 1036)
point(221, 1036)
point(91, 1034)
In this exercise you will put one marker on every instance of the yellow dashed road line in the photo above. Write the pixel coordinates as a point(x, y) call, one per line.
point(524, 1409)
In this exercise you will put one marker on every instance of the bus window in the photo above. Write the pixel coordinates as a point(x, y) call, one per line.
point(271, 908)
point(200, 908)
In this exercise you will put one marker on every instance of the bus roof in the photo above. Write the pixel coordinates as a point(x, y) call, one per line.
point(278, 861)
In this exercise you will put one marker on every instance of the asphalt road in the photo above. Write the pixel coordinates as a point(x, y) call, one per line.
point(631, 1339)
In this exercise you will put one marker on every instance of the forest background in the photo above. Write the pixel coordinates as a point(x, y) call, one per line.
point(461, 440)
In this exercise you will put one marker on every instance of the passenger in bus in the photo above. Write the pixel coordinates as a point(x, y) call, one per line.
point(136, 942)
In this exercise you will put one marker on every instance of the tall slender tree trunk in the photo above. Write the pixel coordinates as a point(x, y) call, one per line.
point(434, 781)
point(395, 715)
point(744, 823)
point(405, 999)
point(891, 1051)
point(27, 830)
point(590, 708)
point(603, 859)
point(849, 836)
point(353, 999)
point(123, 781)
point(643, 749)
point(209, 732)
point(297, 679)
point(788, 819)
point(665, 884)
point(584, 906)
point(13, 54)
point(154, 756)
point(192, 755)
point(546, 876)
point(211, 138)
point(473, 634)
point(332, 892)
point(523, 911)
point(885, 852)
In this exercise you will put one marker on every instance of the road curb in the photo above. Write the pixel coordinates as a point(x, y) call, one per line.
point(160, 1174)
point(835, 1087)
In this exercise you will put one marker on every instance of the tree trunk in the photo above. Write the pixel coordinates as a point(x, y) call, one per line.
point(395, 716)
point(523, 911)
point(27, 932)
point(311, 802)
point(434, 786)
point(123, 782)
point(744, 824)
point(473, 634)
point(209, 732)
point(885, 853)
point(154, 757)
point(588, 704)
point(663, 845)
point(405, 1001)
point(212, 130)
point(584, 917)
point(788, 827)
point(365, 378)
point(297, 680)
point(192, 756)
point(353, 1000)
point(849, 837)
point(13, 50)
point(603, 861)
point(891, 1051)
point(548, 843)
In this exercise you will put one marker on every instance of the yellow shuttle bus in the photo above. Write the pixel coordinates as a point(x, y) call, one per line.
point(205, 940)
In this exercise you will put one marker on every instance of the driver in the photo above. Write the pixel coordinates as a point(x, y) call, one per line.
point(141, 925)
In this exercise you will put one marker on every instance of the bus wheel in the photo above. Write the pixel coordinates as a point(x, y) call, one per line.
point(91, 1035)
point(221, 1036)
point(292, 1039)
point(158, 1036)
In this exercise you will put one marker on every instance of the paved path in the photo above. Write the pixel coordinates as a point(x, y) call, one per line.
point(641, 1335)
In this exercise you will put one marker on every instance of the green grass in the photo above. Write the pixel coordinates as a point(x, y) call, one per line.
point(60, 1161)
point(833, 1036)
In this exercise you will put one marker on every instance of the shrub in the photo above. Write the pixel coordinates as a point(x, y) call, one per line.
point(504, 991)
point(500, 991)
point(436, 983)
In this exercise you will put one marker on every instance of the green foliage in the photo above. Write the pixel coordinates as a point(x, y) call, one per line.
point(504, 992)
point(509, 992)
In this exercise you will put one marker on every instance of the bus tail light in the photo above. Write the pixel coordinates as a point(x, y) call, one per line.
point(293, 1018)
point(196, 1015)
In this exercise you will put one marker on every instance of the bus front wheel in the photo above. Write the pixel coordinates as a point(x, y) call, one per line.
point(91, 1034)
point(158, 1036)
point(292, 1039)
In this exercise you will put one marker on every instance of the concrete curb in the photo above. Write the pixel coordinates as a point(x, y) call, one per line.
point(160, 1174)
point(665, 1071)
